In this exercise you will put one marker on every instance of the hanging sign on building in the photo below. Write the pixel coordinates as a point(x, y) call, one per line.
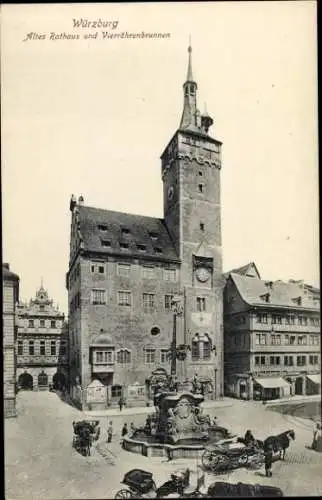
point(96, 392)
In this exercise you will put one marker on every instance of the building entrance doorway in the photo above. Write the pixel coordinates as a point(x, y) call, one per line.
point(299, 386)
point(25, 381)
point(42, 381)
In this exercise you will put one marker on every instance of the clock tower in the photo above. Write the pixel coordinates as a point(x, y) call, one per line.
point(191, 166)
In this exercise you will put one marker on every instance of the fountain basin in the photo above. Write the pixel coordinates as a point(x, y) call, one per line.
point(157, 449)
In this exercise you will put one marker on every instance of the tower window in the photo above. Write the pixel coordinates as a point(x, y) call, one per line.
point(125, 230)
point(200, 188)
point(202, 226)
point(102, 227)
point(106, 243)
point(200, 173)
point(124, 245)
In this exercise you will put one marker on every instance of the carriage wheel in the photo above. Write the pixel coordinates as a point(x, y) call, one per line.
point(220, 462)
point(123, 494)
point(213, 461)
point(206, 459)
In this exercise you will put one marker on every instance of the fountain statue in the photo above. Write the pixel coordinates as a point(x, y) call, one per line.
point(178, 423)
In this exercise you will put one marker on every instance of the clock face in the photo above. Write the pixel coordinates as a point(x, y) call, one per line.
point(202, 274)
point(170, 193)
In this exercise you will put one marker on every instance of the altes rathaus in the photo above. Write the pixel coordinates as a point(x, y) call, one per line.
point(125, 269)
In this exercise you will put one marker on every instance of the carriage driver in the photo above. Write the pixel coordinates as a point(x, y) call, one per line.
point(249, 439)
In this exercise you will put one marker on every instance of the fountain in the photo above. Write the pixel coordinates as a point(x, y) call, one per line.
point(178, 427)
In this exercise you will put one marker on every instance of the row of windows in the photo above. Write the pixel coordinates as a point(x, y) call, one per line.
point(148, 272)
point(42, 323)
point(124, 356)
point(288, 360)
point(278, 319)
point(124, 298)
point(200, 350)
point(276, 339)
point(41, 348)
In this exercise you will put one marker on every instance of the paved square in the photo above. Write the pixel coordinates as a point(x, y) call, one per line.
point(41, 464)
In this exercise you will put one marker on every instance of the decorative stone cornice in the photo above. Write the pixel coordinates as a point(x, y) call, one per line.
point(199, 159)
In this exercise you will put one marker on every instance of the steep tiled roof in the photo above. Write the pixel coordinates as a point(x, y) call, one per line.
point(106, 231)
point(242, 270)
point(279, 293)
point(7, 274)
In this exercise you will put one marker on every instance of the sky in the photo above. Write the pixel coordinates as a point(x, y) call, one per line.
point(92, 117)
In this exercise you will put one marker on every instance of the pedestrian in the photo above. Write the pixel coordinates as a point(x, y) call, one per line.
point(132, 428)
point(121, 403)
point(268, 461)
point(124, 430)
point(110, 431)
point(316, 435)
point(124, 433)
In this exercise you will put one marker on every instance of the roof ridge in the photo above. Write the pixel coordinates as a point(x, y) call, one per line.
point(119, 212)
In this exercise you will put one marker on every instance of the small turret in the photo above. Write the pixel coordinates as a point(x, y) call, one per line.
point(72, 203)
point(206, 121)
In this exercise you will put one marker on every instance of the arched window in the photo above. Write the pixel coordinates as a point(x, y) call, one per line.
point(123, 356)
point(201, 347)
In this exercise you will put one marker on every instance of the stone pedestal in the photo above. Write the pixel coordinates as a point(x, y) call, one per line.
point(179, 417)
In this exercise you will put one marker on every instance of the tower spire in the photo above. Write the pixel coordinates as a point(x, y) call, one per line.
point(189, 73)
point(189, 115)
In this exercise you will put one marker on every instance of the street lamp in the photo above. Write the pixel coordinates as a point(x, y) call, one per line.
point(177, 308)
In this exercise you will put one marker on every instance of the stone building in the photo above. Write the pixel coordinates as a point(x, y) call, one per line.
point(272, 336)
point(10, 291)
point(42, 344)
point(124, 270)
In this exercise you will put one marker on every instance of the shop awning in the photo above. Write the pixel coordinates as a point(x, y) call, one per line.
point(272, 382)
point(316, 379)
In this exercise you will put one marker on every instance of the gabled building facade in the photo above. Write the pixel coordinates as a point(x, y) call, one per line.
point(272, 337)
point(125, 269)
point(41, 344)
point(10, 291)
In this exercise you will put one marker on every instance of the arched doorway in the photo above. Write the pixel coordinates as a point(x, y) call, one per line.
point(42, 380)
point(59, 381)
point(299, 385)
point(25, 381)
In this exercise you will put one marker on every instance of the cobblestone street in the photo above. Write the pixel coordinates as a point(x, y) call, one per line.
point(42, 464)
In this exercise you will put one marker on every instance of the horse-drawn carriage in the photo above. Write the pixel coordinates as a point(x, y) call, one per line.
point(85, 433)
point(230, 454)
point(140, 484)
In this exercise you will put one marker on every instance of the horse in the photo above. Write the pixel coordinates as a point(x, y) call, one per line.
point(280, 442)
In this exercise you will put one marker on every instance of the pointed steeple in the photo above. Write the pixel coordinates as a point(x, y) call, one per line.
point(190, 97)
point(189, 73)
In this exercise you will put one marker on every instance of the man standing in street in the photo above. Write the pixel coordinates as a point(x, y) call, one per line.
point(110, 432)
point(268, 461)
point(121, 403)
